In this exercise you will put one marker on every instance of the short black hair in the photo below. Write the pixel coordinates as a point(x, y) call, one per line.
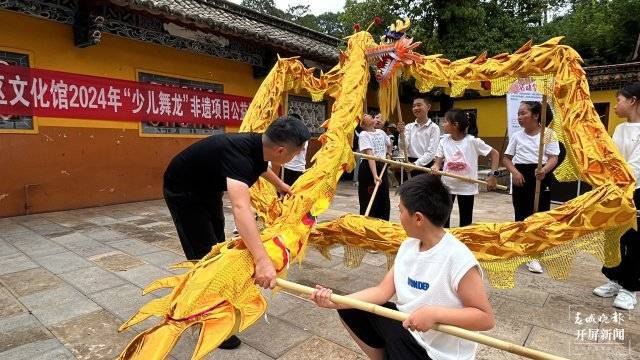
point(473, 124)
point(536, 109)
point(288, 130)
point(427, 194)
point(457, 116)
point(631, 91)
point(423, 98)
point(295, 115)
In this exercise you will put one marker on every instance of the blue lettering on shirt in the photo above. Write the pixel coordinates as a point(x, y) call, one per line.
point(420, 285)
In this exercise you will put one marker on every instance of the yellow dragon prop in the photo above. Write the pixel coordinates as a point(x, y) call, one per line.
point(218, 292)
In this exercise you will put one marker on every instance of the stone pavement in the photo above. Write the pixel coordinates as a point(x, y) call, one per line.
point(69, 279)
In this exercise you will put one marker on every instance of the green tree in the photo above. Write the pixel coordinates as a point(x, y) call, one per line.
point(264, 6)
point(330, 23)
point(603, 32)
point(363, 12)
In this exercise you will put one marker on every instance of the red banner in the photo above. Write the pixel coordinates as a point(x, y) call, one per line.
point(27, 92)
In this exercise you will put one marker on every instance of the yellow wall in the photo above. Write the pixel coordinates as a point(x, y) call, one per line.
point(72, 163)
point(608, 96)
point(492, 115)
point(492, 112)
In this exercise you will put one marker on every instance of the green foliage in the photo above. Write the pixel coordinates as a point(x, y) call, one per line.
point(602, 31)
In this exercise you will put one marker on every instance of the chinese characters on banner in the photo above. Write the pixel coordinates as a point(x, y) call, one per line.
point(521, 90)
point(37, 92)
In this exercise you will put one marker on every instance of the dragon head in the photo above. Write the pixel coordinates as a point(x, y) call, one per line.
point(394, 51)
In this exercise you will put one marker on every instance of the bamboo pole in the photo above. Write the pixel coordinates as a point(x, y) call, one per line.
point(448, 329)
point(405, 146)
point(420, 168)
point(375, 190)
point(543, 123)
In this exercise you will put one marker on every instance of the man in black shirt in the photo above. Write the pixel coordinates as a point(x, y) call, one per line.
point(196, 179)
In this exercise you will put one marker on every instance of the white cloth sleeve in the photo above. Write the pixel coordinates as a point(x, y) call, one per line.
point(364, 141)
point(511, 148)
point(481, 147)
point(440, 151)
point(552, 148)
point(434, 139)
point(461, 267)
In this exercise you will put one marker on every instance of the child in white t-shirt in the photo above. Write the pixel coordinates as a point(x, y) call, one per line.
point(296, 167)
point(373, 141)
point(624, 279)
point(521, 159)
point(459, 152)
point(436, 279)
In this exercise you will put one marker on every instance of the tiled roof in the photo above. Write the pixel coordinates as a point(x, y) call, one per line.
point(612, 76)
point(232, 19)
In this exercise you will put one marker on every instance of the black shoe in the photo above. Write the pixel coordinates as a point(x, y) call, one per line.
point(231, 343)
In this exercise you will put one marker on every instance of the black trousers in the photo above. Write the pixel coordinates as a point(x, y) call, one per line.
point(417, 172)
point(383, 333)
point(465, 209)
point(627, 274)
point(381, 206)
point(523, 196)
point(290, 176)
point(199, 221)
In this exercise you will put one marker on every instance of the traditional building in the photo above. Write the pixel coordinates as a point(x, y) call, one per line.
point(55, 163)
point(52, 163)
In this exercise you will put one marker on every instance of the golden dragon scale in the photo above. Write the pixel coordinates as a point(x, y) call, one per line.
point(218, 292)
point(592, 222)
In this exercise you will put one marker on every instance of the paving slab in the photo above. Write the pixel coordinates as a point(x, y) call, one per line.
point(142, 276)
point(317, 348)
point(171, 244)
point(7, 249)
point(103, 234)
point(38, 248)
point(21, 329)
point(92, 336)
point(92, 279)
point(116, 261)
point(122, 301)
point(163, 259)
point(16, 262)
point(41, 350)
point(31, 281)
point(185, 346)
point(281, 302)
point(133, 247)
point(63, 262)
point(58, 305)
point(9, 305)
point(321, 322)
point(281, 336)
point(82, 245)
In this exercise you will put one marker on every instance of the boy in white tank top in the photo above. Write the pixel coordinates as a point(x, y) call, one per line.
point(436, 279)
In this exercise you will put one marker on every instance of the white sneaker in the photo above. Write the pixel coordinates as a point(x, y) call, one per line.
point(235, 232)
point(535, 267)
point(625, 300)
point(610, 289)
